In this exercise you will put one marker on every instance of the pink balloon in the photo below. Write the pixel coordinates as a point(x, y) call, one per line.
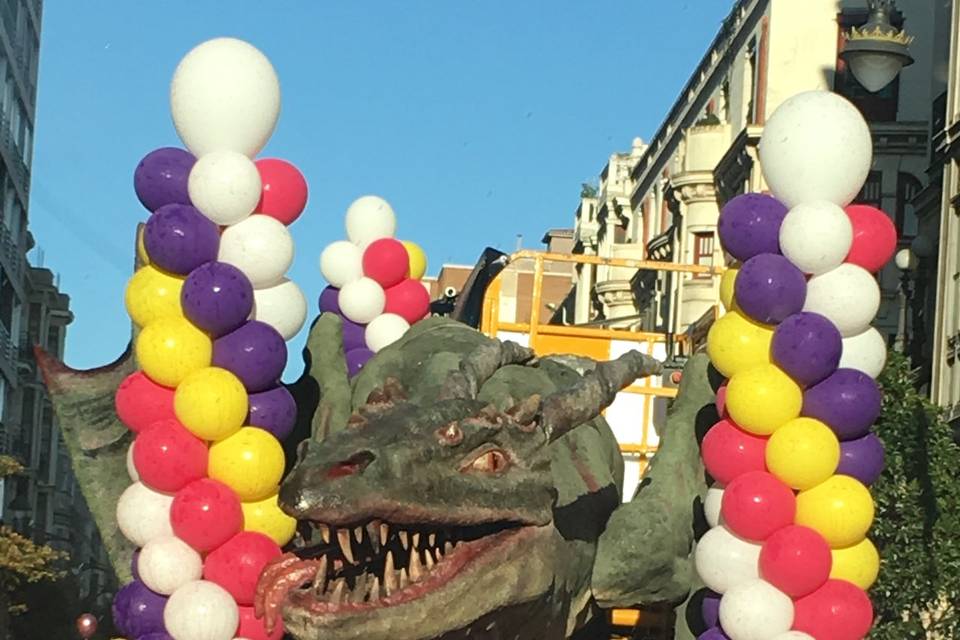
point(386, 261)
point(236, 565)
point(729, 451)
point(838, 610)
point(796, 560)
point(756, 504)
point(874, 237)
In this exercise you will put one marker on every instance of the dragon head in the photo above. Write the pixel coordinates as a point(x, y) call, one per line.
point(421, 517)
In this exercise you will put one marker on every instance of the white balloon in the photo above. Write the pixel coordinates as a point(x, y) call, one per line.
point(848, 296)
point(384, 330)
point(755, 610)
point(225, 95)
point(866, 351)
point(362, 301)
point(143, 514)
point(370, 218)
point(225, 186)
point(794, 635)
point(341, 263)
point(132, 468)
point(711, 504)
point(816, 146)
point(201, 610)
point(816, 236)
point(167, 563)
point(724, 560)
point(282, 306)
point(261, 247)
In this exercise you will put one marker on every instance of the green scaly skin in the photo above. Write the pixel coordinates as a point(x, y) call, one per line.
point(504, 458)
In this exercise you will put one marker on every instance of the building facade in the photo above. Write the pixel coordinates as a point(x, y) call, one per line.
point(45, 503)
point(705, 153)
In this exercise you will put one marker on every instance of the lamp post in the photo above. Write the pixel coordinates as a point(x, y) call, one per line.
point(906, 262)
point(877, 51)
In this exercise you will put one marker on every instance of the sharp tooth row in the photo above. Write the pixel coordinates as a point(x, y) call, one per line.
point(343, 537)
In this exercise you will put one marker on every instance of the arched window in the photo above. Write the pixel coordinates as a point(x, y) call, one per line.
point(908, 186)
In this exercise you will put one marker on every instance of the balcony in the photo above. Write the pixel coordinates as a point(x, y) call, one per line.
point(8, 354)
point(734, 170)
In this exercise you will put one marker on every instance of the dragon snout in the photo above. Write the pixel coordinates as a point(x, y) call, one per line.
point(300, 492)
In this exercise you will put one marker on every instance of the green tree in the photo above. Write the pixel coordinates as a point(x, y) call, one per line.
point(917, 528)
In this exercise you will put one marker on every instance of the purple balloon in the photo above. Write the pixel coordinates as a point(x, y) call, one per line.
point(274, 410)
point(256, 353)
point(354, 336)
point(750, 225)
point(862, 458)
point(161, 177)
point(178, 238)
point(217, 297)
point(807, 346)
point(157, 635)
point(715, 633)
point(138, 611)
point(710, 609)
point(330, 300)
point(769, 288)
point(847, 401)
point(356, 360)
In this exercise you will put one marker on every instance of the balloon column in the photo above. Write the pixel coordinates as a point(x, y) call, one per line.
point(374, 281)
point(214, 311)
point(792, 455)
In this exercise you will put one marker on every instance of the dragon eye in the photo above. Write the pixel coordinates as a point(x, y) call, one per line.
point(493, 461)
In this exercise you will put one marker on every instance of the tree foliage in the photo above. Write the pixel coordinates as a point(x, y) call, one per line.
point(918, 515)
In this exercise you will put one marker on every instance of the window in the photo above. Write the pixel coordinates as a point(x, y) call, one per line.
point(750, 81)
point(876, 107)
point(703, 245)
point(908, 186)
point(872, 192)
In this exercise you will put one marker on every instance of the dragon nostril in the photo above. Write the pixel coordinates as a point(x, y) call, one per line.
point(351, 466)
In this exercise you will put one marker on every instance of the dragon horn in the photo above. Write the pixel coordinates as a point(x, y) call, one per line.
point(563, 411)
point(480, 365)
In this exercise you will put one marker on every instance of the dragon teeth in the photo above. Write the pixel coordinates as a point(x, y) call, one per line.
point(430, 561)
point(373, 530)
point(416, 569)
point(320, 581)
point(404, 540)
point(324, 532)
point(343, 537)
point(447, 548)
point(416, 540)
point(389, 575)
point(338, 588)
point(358, 534)
point(375, 589)
point(404, 579)
point(432, 539)
point(384, 533)
point(359, 590)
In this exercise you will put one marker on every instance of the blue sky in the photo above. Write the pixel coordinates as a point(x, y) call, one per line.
point(477, 120)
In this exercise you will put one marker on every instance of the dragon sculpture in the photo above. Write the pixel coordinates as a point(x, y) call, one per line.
point(457, 488)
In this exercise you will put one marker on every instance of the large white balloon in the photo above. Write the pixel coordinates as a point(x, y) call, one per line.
point(201, 610)
point(225, 186)
point(711, 504)
point(341, 263)
point(755, 610)
point(848, 296)
point(866, 351)
point(816, 146)
point(816, 236)
point(282, 306)
point(370, 218)
point(143, 514)
point(167, 563)
point(384, 330)
point(131, 467)
point(723, 560)
point(261, 247)
point(362, 301)
point(225, 95)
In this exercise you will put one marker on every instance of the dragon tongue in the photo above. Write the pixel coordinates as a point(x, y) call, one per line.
point(275, 585)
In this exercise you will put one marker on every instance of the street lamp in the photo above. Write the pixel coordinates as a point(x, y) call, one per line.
point(906, 261)
point(877, 51)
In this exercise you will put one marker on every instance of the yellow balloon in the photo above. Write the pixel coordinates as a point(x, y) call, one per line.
point(250, 462)
point(762, 399)
point(840, 509)
point(418, 260)
point(212, 403)
point(264, 516)
point(858, 564)
point(803, 453)
point(736, 343)
point(152, 294)
point(726, 287)
point(169, 349)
